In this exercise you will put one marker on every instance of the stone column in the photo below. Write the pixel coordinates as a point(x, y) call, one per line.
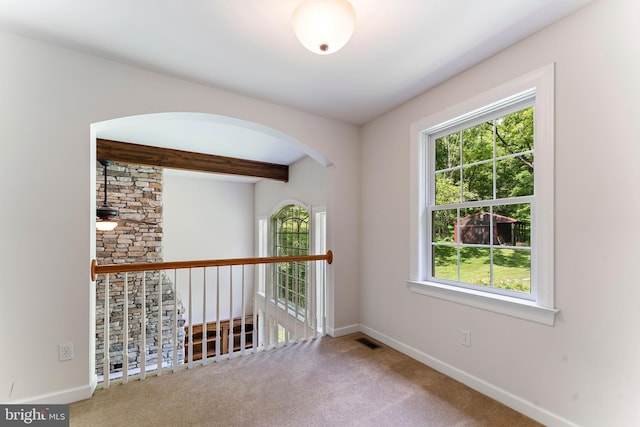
point(137, 193)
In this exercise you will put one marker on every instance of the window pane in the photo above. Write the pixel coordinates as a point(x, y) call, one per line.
point(512, 269)
point(474, 265)
point(480, 198)
point(477, 143)
point(291, 233)
point(443, 225)
point(448, 151)
point(514, 176)
point(448, 187)
point(478, 182)
point(514, 133)
point(445, 262)
point(475, 226)
point(511, 224)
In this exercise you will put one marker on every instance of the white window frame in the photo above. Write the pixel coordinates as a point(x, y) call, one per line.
point(541, 306)
point(263, 251)
point(319, 242)
point(284, 304)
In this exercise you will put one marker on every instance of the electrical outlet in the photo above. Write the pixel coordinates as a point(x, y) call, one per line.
point(65, 352)
point(465, 338)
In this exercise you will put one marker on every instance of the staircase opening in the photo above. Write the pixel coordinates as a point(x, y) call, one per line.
point(174, 334)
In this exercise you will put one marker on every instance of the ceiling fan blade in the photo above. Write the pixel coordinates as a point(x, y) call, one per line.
point(106, 212)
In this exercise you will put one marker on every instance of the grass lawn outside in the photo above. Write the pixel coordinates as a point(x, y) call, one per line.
point(511, 267)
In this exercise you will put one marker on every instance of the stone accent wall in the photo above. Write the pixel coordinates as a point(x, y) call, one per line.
point(137, 193)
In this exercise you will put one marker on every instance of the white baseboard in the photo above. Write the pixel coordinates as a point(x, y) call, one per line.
point(94, 383)
point(60, 397)
point(517, 403)
point(345, 330)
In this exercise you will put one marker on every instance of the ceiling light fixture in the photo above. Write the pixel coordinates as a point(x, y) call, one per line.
point(105, 225)
point(324, 26)
point(106, 214)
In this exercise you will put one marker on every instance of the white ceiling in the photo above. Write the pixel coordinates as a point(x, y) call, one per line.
point(208, 134)
point(399, 48)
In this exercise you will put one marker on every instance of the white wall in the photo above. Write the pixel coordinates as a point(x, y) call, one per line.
point(585, 369)
point(309, 182)
point(49, 97)
point(206, 218)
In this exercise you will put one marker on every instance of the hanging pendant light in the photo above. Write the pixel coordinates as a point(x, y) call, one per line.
point(106, 214)
point(324, 26)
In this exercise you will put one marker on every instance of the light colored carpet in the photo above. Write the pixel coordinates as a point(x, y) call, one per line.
point(326, 382)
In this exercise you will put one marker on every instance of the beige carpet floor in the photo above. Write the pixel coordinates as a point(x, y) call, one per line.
point(326, 382)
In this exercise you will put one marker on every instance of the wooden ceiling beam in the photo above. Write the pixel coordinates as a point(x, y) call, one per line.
point(137, 154)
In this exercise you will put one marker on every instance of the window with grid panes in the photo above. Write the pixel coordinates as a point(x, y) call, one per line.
point(291, 238)
point(481, 181)
point(482, 200)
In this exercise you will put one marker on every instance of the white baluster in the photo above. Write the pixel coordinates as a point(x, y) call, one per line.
point(106, 364)
point(254, 333)
point(275, 339)
point(125, 331)
point(296, 300)
point(143, 332)
point(230, 331)
point(160, 323)
point(308, 303)
point(267, 292)
point(175, 328)
point(287, 318)
point(242, 319)
point(205, 328)
point(323, 293)
point(218, 336)
point(190, 358)
point(313, 312)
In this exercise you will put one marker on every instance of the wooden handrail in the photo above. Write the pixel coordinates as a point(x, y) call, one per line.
point(153, 266)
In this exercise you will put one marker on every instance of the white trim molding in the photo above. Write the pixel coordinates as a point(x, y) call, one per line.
point(60, 397)
point(288, 202)
point(345, 330)
point(530, 409)
point(521, 309)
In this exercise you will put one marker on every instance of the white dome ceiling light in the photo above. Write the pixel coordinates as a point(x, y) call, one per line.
point(324, 26)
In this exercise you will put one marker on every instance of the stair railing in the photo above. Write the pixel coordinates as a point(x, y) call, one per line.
point(273, 320)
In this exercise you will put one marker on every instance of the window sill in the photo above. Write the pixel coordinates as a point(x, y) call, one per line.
point(520, 309)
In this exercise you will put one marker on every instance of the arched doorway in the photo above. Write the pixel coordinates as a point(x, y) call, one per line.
point(210, 134)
